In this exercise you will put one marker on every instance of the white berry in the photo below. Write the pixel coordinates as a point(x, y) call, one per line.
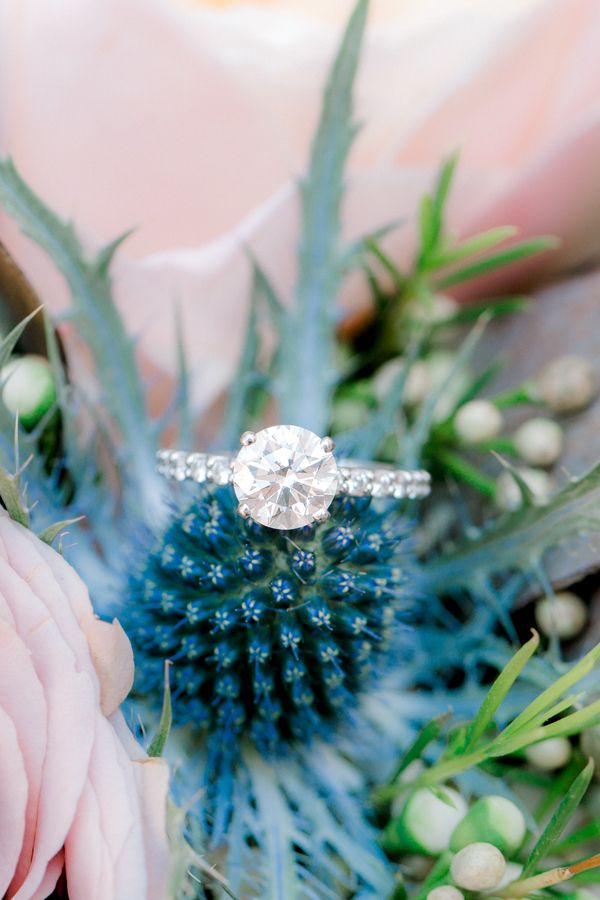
point(512, 873)
point(441, 308)
point(563, 615)
point(539, 441)
point(478, 421)
point(440, 365)
point(445, 892)
point(427, 821)
point(416, 386)
point(567, 384)
point(28, 388)
point(478, 867)
point(508, 494)
point(549, 755)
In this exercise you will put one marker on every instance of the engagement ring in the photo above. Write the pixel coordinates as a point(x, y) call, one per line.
point(286, 477)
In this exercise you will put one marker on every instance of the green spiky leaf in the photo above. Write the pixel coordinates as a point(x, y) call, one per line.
point(307, 370)
point(520, 540)
point(248, 377)
point(99, 323)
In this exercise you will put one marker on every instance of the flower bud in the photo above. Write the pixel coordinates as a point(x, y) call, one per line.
point(425, 823)
point(416, 386)
point(549, 755)
point(511, 873)
point(567, 384)
point(445, 892)
point(477, 421)
point(410, 773)
point(28, 388)
point(478, 867)
point(508, 494)
point(493, 819)
point(539, 441)
point(439, 366)
point(441, 308)
point(564, 615)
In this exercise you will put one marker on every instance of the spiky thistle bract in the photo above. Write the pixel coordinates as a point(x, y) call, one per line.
point(273, 635)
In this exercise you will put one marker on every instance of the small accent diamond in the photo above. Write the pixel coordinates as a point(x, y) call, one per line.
point(219, 470)
point(197, 467)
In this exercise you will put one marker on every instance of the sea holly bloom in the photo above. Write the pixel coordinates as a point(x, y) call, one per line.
point(80, 803)
point(273, 635)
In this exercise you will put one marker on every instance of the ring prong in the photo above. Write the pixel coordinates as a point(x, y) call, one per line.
point(247, 438)
point(328, 444)
point(244, 511)
point(321, 515)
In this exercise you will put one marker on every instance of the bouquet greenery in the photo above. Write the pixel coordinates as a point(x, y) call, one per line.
point(347, 709)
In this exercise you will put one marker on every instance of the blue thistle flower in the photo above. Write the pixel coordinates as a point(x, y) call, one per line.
point(273, 635)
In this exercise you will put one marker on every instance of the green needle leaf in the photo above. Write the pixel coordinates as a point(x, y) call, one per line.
point(431, 215)
point(471, 246)
point(559, 820)
point(498, 692)
point(497, 260)
point(426, 735)
point(554, 693)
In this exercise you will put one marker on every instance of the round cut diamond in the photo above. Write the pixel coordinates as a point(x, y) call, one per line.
point(286, 477)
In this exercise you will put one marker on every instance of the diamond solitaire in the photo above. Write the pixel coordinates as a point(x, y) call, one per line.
point(286, 477)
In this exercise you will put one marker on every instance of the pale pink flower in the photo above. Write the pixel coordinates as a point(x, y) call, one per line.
point(78, 798)
point(192, 121)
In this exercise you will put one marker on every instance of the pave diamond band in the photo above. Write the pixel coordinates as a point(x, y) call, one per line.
point(286, 477)
point(357, 479)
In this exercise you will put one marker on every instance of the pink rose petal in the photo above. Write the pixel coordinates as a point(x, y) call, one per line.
point(13, 800)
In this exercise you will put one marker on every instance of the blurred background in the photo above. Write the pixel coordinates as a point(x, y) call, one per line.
point(190, 122)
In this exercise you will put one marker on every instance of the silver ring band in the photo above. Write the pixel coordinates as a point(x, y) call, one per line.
point(356, 479)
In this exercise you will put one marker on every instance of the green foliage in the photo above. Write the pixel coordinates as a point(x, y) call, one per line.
point(548, 715)
point(248, 389)
point(12, 497)
point(563, 814)
point(159, 741)
point(307, 377)
point(520, 540)
point(100, 326)
point(296, 821)
point(497, 260)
